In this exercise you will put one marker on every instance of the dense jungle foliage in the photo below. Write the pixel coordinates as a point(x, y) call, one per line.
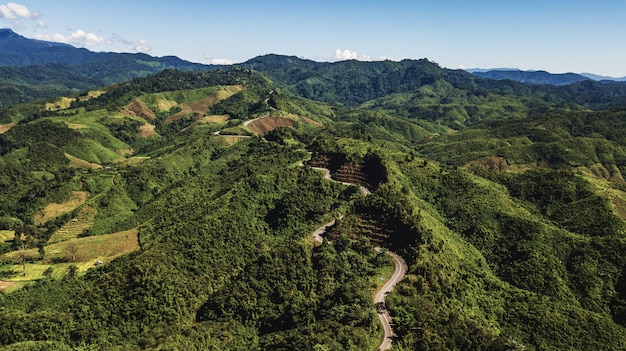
point(506, 200)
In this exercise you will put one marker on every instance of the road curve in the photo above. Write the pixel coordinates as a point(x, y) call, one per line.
point(327, 175)
point(317, 234)
point(379, 299)
point(399, 271)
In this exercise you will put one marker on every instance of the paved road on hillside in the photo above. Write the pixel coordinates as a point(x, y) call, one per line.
point(327, 175)
point(399, 270)
point(379, 299)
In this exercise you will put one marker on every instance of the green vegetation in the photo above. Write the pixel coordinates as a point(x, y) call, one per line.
point(507, 202)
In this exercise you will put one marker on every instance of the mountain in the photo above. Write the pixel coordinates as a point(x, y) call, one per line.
point(533, 77)
point(176, 211)
point(599, 77)
point(16, 50)
point(539, 77)
point(34, 69)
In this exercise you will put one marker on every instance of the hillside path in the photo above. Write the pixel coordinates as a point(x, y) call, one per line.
point(399, 271)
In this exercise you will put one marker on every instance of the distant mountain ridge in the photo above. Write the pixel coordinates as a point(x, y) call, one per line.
point(16, 50)
point(533, 77)
point(33, 69)
point(539, 77)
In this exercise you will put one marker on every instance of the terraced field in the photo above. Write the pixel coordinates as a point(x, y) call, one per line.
point(76, 226)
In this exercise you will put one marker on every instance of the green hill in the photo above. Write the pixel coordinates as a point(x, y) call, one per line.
point(507, 202)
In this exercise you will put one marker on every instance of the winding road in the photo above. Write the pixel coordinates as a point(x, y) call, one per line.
point(379, 299)
point(399, 271)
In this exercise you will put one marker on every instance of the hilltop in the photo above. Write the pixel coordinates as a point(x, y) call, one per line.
point(175, 211)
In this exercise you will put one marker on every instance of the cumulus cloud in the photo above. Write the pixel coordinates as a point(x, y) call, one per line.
point(78, 38)
point(343, 55)
point(13, 11)
point(218, 61)
point(142, 46)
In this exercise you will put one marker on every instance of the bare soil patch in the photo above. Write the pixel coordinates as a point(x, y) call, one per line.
point(267, 124)
point(311, 122)
point(139, 109)
point(5, 127)
point(199, 108)
point(54, 210)
point(146, 130)
point(184, 112)
point(5, 285)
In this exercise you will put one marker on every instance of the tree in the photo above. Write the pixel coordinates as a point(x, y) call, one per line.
point(71, 270)
point(72, 249)
point(48, 272)
point(22, 257)
point(41, 249)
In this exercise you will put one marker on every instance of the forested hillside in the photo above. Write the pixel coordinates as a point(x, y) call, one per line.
point(176, 211)
point(34, 69)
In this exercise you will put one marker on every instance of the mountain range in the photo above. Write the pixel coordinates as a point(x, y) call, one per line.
point(540, 77)
point(175, 210)
point(34, 69)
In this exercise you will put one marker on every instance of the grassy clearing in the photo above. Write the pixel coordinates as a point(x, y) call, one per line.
point(61, 104)
point(65, 102)
point(165, 104)
point(5, 127)
point(229, 140)
point(135, 160)
point(76, 162)
point(54, 210)
point(88, 251)
point(92, 94)
point(214, 119)
point(616, 197)
point(6, 235)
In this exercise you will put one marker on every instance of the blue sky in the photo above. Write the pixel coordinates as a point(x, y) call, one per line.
point(557, 36)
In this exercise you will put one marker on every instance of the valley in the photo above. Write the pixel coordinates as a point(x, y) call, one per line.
point(186, 210)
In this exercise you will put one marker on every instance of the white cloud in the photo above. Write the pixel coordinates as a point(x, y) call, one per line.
point(78, 38)
point(14, 11)
point(142, 46)
point(344, 55)
point(41, 24)
point(137, 46)
point(218, 61)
